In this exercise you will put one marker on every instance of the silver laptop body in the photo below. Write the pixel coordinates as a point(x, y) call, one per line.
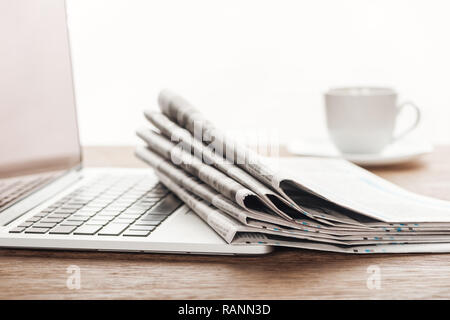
point(47, 199)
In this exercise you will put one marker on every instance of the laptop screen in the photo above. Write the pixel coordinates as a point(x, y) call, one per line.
point(38, 125)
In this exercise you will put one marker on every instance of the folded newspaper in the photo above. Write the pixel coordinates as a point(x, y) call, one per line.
point(319, 204)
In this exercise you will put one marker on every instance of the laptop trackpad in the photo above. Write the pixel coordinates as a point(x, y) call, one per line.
point(187, 227)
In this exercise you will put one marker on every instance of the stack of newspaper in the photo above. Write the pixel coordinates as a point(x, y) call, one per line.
point(320, 204)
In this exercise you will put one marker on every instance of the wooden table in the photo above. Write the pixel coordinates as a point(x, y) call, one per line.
point(284, 274)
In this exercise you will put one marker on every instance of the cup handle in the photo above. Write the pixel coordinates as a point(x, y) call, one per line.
point(415, 123)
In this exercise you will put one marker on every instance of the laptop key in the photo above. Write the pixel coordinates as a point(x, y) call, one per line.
point(97, 223)
point(41, 214)
point(126, 217)
point(58, 215)
point(17, 230)
point(72, 206)
point(141, 228)
point(33, 219)
point(167, 205)
point(62, 229)
point(76, 217)
point(37, 230)
point(108, 213)
point(44, 225)
point(154, 217)
point(113, 229)
point(146, 223)
point(25, 224)
point(129, 215)
point(63, 210)
point(52, 220)
point(147, 204)
point(75, 223)
point(135, 210)
point(78, 202)
point(87, 229)
point(121, 221)
point(136, 233)
point(102, 218)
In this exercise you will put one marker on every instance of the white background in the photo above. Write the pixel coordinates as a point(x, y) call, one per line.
point(267, 61)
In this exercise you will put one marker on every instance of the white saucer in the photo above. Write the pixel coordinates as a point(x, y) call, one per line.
point(402, 151)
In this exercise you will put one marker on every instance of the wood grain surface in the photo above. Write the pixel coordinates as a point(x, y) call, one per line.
point(284, 274)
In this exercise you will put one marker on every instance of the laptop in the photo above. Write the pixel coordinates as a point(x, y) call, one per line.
point(47, 199)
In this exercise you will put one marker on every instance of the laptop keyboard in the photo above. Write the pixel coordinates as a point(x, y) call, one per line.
point(12, 189)
point(130, 206)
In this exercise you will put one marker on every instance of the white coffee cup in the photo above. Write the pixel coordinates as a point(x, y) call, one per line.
point(363, 119)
